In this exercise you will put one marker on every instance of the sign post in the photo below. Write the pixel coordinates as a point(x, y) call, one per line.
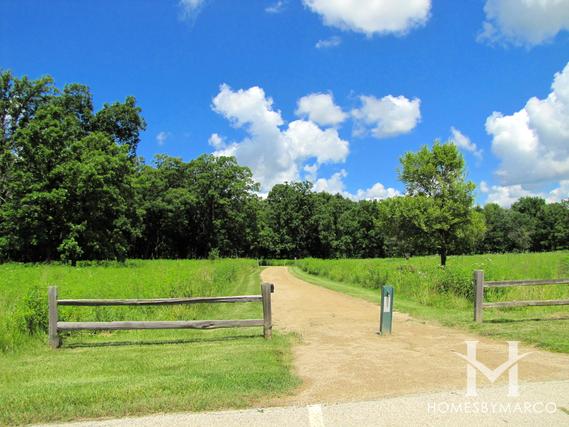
point(386, 312)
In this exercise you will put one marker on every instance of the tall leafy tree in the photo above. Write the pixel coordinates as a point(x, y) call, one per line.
point(19, 101)
point(66, 188)
point(206, 206)
point(532, 208)
point(290, 228)
point(122, 121)
point(225, 201)
point(506, 230)
point(436, 178)
point(402, 219)
point(554, 226)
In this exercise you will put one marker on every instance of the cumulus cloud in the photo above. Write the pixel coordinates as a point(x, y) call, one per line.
point(387, 117)
point(372, 16)
point(276, 7)
point(274, 155)
point(504, 196)
point(533, 143)
point(191, 8)
point(507, 195)
point(332, 185)
point(328, 43)
point(526, 22)
point(376, 192)
point(320, 108)
point(161, 137)
point(335, 185)
point(463, 142)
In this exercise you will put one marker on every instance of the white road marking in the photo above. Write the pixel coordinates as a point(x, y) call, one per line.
point(315, 418)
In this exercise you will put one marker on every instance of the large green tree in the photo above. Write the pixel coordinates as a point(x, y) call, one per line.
point(289, 227)
point(506, 230)
point(66, 183)
point(436, 178)
point(204, 207)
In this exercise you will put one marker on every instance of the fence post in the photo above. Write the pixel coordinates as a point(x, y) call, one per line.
point(266, 289)
point(478, 295)
point(54, 340)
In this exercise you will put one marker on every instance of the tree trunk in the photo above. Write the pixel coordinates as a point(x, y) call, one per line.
point(443, 254)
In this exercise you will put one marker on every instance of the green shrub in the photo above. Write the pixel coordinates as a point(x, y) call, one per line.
point(453, 282)
point(33, 312)
point(214, 254)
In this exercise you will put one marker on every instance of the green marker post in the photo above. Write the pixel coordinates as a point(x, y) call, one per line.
point(386, 312)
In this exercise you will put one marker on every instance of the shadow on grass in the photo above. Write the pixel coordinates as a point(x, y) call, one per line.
point(534, 319)
point(157, 342)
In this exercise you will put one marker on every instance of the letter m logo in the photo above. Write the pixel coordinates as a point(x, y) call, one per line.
point(510, 365)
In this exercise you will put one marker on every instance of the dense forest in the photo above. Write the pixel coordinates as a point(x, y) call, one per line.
point(72, 187)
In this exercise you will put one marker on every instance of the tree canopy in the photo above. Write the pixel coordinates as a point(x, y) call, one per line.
point(443, 200)
point(72, 188)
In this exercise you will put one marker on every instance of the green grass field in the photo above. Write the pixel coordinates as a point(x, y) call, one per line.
point(138, 372)
point(428, 292)
point(134, 372)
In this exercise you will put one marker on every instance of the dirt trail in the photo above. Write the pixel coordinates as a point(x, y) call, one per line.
point(341, 358)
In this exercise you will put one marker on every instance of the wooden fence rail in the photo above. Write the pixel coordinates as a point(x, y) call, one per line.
point(480, 284)
point(55, 326)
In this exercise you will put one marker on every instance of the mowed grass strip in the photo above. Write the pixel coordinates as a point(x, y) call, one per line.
point(426, 291)
point(138, 372)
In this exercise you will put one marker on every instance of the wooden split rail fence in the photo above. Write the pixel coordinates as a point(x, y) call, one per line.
point(480, 285)
point(55, 326)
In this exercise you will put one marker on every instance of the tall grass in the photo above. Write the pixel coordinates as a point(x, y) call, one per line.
point(427, 291)
point(23, 293)
point(424, 281)
point(125, 373)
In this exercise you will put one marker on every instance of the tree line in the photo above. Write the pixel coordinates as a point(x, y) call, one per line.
point(72, 187)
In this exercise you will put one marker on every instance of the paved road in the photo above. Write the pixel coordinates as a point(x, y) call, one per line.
point(539, 404)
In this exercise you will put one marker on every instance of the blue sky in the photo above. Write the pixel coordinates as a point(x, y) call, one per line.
point(387, 77)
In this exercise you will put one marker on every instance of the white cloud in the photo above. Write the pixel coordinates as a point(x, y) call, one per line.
point(560, 193)
point(305, 140)
point(504, 196)
point(525, 22)
point(376, 192)
point(217, 141)
point(533, 143)
point(276, 7)
point(329, 42)
point(462, 141)
point(389, 116)
point(372, 16)
point(161, 137)
point(320, 108)
point(311, 172)
point(332, 185)
point(191, 8)
point(335, 185)
point(274, 155)
point(507, 195)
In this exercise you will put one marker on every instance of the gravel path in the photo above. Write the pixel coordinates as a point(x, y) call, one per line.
point(341, 358)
